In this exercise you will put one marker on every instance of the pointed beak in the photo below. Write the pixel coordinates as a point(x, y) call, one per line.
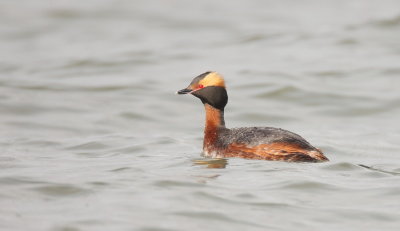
point(184, 91)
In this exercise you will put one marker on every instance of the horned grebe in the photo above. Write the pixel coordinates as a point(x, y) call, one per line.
point(264, 143)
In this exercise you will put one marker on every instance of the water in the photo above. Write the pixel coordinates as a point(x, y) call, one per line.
point(92, 136)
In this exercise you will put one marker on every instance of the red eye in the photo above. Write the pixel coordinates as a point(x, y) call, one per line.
point(201, 86)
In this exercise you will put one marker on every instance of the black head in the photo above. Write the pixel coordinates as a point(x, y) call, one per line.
point(209, 87)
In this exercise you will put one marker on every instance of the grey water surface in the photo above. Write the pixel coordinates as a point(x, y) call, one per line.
point(92, 136)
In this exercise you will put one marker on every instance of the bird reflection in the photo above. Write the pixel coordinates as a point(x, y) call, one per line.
point(212, 163)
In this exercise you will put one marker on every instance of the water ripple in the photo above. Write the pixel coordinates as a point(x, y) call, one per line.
point(92, 145)
point(215, 216)
point(61, 190)
point(174, 184)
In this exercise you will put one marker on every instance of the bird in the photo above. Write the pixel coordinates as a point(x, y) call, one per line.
point(260, 143)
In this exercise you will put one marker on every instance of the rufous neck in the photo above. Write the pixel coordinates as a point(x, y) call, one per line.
point(214, 117)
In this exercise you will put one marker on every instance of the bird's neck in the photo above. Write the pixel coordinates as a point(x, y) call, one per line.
point(214, 117)
point(214, 121)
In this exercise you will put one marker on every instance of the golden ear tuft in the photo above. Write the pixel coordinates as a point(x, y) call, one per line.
point(213, 79)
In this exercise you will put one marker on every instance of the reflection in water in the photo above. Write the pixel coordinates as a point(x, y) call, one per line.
point(212, 163)
point(205, 178)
